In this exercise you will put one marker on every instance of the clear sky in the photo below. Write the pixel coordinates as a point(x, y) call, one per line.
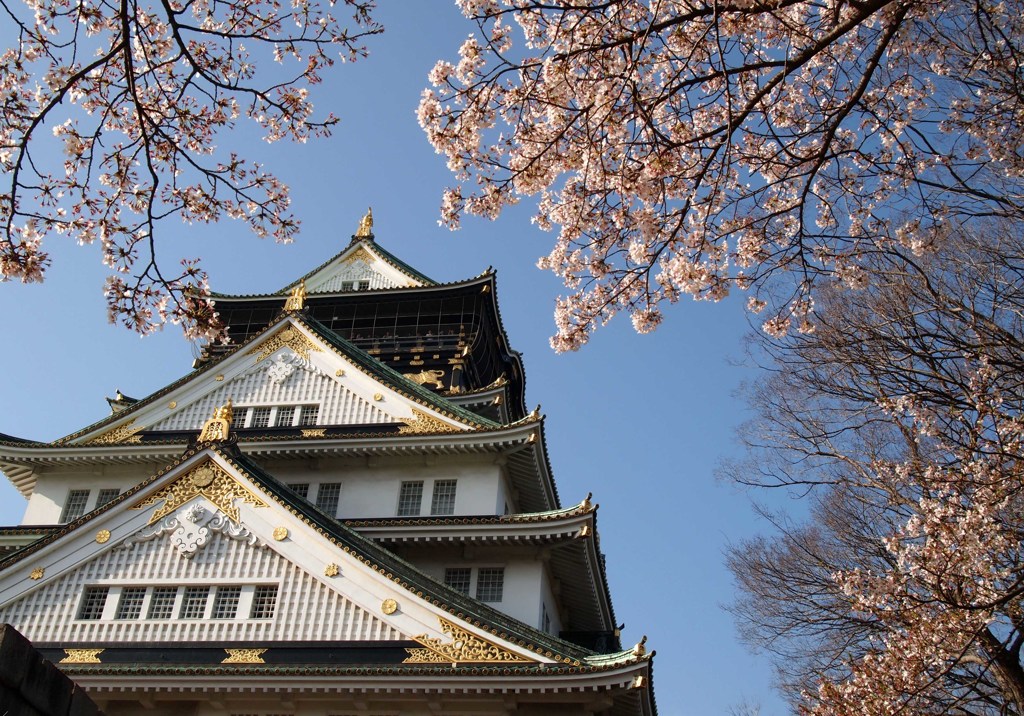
point(641, 421)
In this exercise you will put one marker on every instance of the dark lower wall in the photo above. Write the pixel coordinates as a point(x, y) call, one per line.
point(32, 686)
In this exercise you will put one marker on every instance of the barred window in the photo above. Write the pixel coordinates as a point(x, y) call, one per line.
point(490, 583)
point(285, 417)
point(161, 604)
point(457, 578)
point(410, 497)
point(327, 496)
point(106, 495)
point(308, 414)
point(74, 505)
point(264, 601)
point(93, 601)
point(259, 418)
point(364, 285)
point(443, 501)
point(193, 605)
point(130, 604)
point(225, 602)
point(300, 488)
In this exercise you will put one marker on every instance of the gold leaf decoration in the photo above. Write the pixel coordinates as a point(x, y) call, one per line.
point(331, 570)
point(37, 574)
point(389, 606)
point(244, 656)
point(423, 423)
point(360, 254)
point(287, 337)
point(280, 533)
point(124, 433)
point(314, 432)
point(102, 537)
point(465, 648)
point(81, 656)
point(207, 479)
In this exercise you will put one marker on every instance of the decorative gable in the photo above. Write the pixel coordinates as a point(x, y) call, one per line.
point(361, 267)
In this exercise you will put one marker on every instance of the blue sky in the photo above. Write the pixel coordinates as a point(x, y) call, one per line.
point(641, 421)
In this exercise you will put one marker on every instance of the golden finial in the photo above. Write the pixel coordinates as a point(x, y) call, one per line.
point(585, 505)
point(640, 649)
point(217, 428)
point(297, 298)
point(365, 230)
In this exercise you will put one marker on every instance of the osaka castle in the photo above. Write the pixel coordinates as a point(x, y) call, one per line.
point(346, 510)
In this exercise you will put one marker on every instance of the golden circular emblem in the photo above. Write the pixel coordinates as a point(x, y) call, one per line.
point(280, 533)
point(102, 536)
point(37, 573)
point(378, 396)
point(172, 405)
point(286, 334)
point(389, 606)
point(203, 476)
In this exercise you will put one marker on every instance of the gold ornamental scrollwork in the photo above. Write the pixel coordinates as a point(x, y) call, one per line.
point(360, 254)
point(81, 656)
point(207, 479)
point(124, 433)
point(244, 656)
point(287, 337)
point(465, 648)
point(423, 423)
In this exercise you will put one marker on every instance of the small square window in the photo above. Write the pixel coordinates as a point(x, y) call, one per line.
point(225, 602)
point(490, 583)
point(443, 501)
point(93, 601)
point(348, 285)
point(327, 496)
point(364, 285)
point(193, 605)
point(300, 488)
point(264, 601)
point(457, 578)
point(161, 603)
point(130, 604)
point(260, 418)
point(106, 495)
point(285, 417)
point(308, 414)
point(410, 498)
point(74, 505)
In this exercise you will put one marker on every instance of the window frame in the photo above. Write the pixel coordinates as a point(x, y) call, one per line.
point(71, 510)
point(406, 498)
point(449, 498)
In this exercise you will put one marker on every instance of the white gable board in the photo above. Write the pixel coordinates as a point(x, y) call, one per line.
point(359, 263)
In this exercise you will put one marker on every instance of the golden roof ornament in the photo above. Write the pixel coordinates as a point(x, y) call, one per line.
point(365, 230)
point(218, 427)
point(297, 298)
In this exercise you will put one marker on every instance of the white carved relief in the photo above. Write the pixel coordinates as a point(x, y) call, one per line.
point(190, 530)
point(280, 370)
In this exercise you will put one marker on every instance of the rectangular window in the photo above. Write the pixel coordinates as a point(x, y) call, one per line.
point(93, 601)
point(348, 285)
point(193, 606)
point(300, 488)
point(457, 578)
point(130, 605)
point(285, 417)
point(74, 505)
point(225, 602)
point(308, 414)
point(443, 501)
point(327, 497)
point(364, 285)
point(106, 495)
point(259, 418)
point(490, 583)
point(410, 497)
point(161, 603)
point(264, 601)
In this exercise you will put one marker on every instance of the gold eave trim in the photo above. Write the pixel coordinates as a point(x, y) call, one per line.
point(464, 648)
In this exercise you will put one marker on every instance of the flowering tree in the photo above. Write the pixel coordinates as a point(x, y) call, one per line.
point(134, 93)
point(683, 147)
point(904, 593)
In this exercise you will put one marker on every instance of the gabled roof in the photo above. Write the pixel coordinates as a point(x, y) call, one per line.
point(246, 489)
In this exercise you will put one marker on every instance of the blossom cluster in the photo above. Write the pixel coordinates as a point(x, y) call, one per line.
point(136, 93)
point(683, 148)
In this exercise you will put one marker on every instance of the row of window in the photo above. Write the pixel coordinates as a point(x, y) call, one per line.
point(488, 582)
point(279, 416)
point(442, 502)
point(77, 501)
point(206, 602)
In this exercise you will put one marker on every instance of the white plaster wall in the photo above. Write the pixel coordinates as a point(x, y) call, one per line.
point(371, 490)
point(52, 488)
point(521, 595)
